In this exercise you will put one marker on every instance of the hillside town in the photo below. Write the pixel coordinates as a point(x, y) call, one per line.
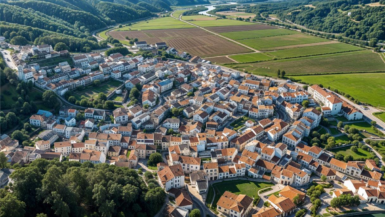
point(209, 123)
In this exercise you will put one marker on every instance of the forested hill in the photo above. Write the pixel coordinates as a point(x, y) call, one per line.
point(51, 21)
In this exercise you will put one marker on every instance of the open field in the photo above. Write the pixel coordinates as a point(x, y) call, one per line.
point(235, 14)
point(219, 60)
point(315, 50)
point(239, 35)
point(177, 13)
point(254, 57)
point(117, 98)
point(194, 41)
point(359, 61)
point(219, 22)
point(90, 92)
point(274, 42)
point(363, 126)
point(380, 115)
point(342, 139)
point(198, 18)
point(356, 155)
point(368, 87)
point(160, 23)
point(241, 27)
point(249, 188)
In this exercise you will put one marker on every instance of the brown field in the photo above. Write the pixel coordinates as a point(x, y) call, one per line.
point(220, 60)
point(194, 41)
point(222, 29)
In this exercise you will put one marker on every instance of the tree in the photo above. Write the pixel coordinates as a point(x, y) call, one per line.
point(354, 149)
point(96, 82)
point(323, 178)
point(27, 127)
point(60, 46)
point(279, 73)
point(190, 94)
point(305, 103)
point(72, 99)
point(348, 158)
point(340, 124)
point(18, 135)
point(154, 200)
point(296, 200)
point(154, 159)
point(122, 50)
point(19, 40)
point(283, 74)
point(3, 160)
point(339, 156)
point(11, 206)
point(49, 98)
point(195, 213)
point(373, 123)
point(134, 93)
point(109, 104)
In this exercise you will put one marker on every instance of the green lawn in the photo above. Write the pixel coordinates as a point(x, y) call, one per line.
point(117, 98)
point(91, 91)
point(342, 139)
point(363, 126)
point(359, 61)
point(315, 50)
point(220, 22)
point(239, 123)
point(334, 123)
point(254, 57)
point(160, 23)
point(269, 43)
point(322, 131)
point(356, 155)
point(198, 18)
point(258, 33)
point(334, 131)
point(341, 118)
point(368, 88)
point(103, 34)
point(380, 115)
point(249, 188)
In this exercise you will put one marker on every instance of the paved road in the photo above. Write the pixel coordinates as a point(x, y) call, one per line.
point(214, 33)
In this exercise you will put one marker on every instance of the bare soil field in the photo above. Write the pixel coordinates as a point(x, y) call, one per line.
point(194, 41)
point(220, 60)
point(222, 29)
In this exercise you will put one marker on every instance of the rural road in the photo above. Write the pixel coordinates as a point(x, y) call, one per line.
point(214, 33)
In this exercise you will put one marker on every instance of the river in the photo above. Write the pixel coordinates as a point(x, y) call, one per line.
point(212, 7)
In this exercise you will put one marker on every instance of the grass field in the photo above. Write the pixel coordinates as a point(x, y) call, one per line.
point(235, 14)
point(178, 13)
point(239, 123)
point(380, 115)
point(273, 42)
point(249, 188)
point(160, 23)
point(198, 18)
point(103, 34)
point(334, 131)
point(315, 50)
point(342, 139)
point(373, 85)
point(239, 35)
point(90, 92)
point(219, 22)
point(55, 61)
point(117, 98)
point(254, 57)
point(356, 155)
point(363, 126)
point(359, 61)
point(8, 100)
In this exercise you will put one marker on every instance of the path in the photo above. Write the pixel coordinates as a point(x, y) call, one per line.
point(214, 33)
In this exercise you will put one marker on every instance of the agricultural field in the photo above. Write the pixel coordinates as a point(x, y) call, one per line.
point(350, 62)
point(251, 34)
point(315, 50)
point(356, 155)
point(218, 22)
point(219, 60)
point(242, 27)
point(160, 23)
point(368, 87)
point(198, 18)
point(282, 42)
point(194, 41)
point(254, 57)
point(91, 92)
point(177, 13)
point(235, 14)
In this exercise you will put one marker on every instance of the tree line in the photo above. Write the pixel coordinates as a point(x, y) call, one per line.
point(53, 188)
